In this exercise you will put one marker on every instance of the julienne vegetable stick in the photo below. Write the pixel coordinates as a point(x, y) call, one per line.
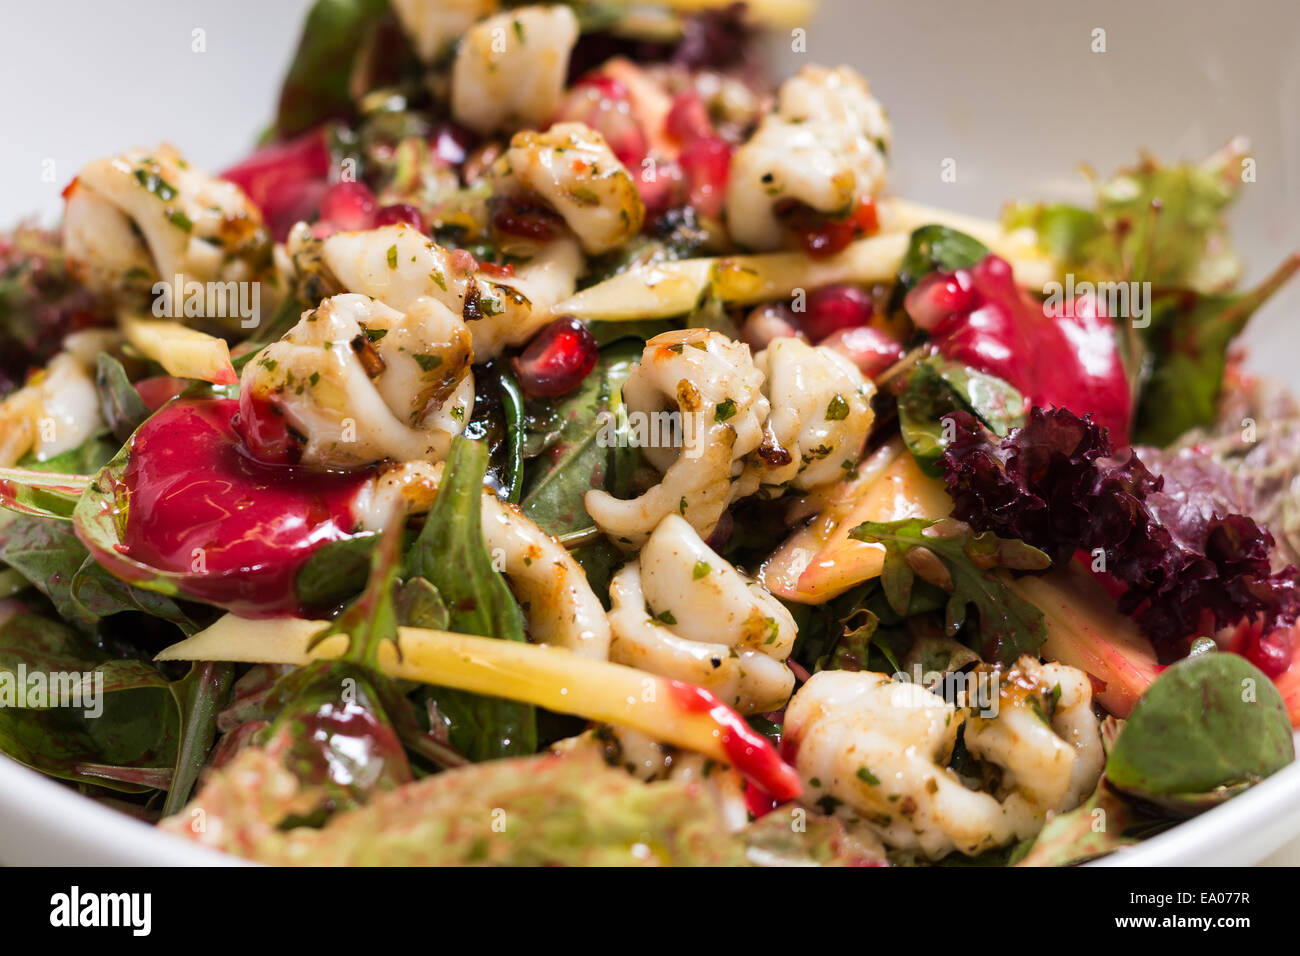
point(183, 352)
point(672, 711)
point(771, 13)
point(676, 288)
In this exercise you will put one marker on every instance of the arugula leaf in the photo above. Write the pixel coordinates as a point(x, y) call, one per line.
point(948, 555)
point(1188, 339)
point(1207, 725)
point(938, 386)
point(933, 248)
point(451, 556)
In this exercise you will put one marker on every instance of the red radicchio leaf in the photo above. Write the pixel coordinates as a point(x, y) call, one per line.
point(1058, 485)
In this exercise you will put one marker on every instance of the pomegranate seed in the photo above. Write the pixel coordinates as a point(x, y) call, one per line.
point(399, 213)
point(767, 322)
point(821, 236)
point(603, 103)
point(834, 307)
point(938, 296)
point(871, 350)
point(707, 164)
point(688, 119)
point(662, 187)
point(348, 207)
point(265, 432)
point(157, 391)
point(452, 144)
point(1271, 653)
point(558, 358)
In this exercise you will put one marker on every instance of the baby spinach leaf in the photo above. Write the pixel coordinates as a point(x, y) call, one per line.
point(1208, 722)
point(317, 85)
point(199, 695)
point(334, 573)
point(451, 556)
point(934, 248)
point(578, 461)
point(129, 745)
point(936, 387)
point(948, 555)
point(119, 402)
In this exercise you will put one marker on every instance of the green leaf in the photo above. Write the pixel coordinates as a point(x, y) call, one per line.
point(316, 87)
point(370, 621)
point(937, 387)
point(49, 555)
point(335, 573)
point(1008, 625)
point(1188, 341)
point(450, 555)
point(119, 402)
point(1207, 722)
point(498, 420)
point(130, 746)
point(1093, 829)
point(934, 248)
point(556, 481)
point(199, 695)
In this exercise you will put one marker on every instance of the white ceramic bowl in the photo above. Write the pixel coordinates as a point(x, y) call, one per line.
point(1012, 91)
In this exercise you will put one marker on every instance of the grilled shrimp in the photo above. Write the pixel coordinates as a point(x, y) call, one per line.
point(877, 751)
point(434, 26)
point(551, 586)
point(397, 265)
point(148, 215)
point(711, 382)
point(823, 146)
point(572, 169)
point(362, 382)
point(510, 69)
point(712, 625)
point(821, 414)
point(56, 411)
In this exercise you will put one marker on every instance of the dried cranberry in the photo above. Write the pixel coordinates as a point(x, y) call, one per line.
point(558, 358)
point(834, 307)
point(399, 213)
point(527, 216)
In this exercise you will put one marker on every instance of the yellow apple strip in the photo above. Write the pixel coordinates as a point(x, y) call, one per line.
point(182, 351)
point(820, 561)
point(768, 13)
point(550, 677)
point(669, 289)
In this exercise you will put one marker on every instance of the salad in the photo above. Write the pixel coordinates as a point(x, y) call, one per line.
point(556, 444)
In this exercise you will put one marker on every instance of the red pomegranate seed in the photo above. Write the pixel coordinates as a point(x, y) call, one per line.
point(157, 391)
point(871, 350)
point(688, 118)
point(707, 164)
point(938, 296)
point(662, 187)
point(1271, 653)
point(767, 322)
point(821, 236)
point(834, 307)
point(399, 213)
point(348, 207)
point(265, 431)
point(558, 358)
point(603, 103)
